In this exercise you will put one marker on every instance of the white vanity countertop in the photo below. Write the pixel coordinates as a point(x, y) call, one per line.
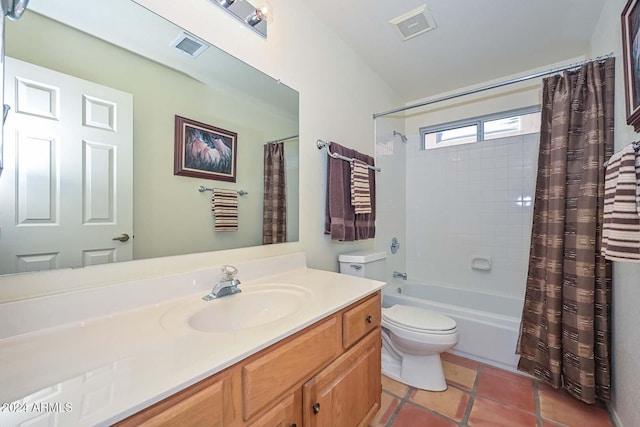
point(99, 371)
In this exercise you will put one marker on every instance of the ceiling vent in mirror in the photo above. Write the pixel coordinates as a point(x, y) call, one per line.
point(414, 23)
point(189, 44)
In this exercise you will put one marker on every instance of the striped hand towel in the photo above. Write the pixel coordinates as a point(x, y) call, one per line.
point(360, 191)
point(637, 148)
point(224, 206)
point(621, 228)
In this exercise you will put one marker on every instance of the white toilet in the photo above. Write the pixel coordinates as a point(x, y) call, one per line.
point(412, 337)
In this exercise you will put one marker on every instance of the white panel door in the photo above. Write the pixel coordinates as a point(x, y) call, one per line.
point(67, 188)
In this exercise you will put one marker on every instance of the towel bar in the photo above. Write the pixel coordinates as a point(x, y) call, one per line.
point(324, 144)
point(202, 189)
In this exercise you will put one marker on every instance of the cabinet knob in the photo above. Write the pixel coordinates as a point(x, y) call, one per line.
point(293, 425)
point(316, 408)
point(369, 319)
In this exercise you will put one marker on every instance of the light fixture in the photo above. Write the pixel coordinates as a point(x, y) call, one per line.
point(264, 10)
point(255, 17)
point(226, 3)
point(15, 8)
point(254, 14)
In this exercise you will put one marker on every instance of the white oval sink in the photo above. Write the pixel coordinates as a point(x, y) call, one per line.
point(255, 306)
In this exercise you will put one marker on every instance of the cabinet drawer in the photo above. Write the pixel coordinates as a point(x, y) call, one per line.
point(360, 320)
point(286, 413)
point(279, 369)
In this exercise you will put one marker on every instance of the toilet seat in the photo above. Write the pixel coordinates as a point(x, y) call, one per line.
point(417, 320)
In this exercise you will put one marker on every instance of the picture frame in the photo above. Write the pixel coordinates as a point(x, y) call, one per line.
point(631, 56)
point(204, 151)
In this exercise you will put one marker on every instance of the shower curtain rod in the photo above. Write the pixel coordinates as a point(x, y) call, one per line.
point(493, 86)
point(282, 139)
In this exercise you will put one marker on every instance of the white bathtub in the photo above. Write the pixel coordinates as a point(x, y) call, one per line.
point(488, 324)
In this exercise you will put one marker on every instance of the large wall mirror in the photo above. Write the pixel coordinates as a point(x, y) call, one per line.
point(62, 186)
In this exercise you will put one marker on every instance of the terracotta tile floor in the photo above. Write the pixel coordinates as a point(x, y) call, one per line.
point(480, 395)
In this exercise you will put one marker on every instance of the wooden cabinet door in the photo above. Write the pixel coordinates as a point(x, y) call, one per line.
point(213, 402)
point(346, 393)
point(287, 413)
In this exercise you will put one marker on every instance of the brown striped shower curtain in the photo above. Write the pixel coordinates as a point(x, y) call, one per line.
point(566, 327)
point(274, 213)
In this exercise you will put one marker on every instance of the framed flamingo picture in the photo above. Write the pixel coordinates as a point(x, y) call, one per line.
point(204, 151)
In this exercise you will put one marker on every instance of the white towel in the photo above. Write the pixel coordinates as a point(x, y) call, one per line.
point(360, 191)
point(224, 206)
point(621, 228)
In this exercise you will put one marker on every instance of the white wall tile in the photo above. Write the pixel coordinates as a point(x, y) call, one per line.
point(469, 200)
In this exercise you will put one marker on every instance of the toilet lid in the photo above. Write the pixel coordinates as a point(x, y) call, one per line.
point(417, 318)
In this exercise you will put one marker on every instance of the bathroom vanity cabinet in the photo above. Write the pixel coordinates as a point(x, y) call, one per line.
point(325, 375)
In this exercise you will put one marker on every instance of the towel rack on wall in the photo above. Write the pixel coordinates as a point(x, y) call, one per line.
point(636, 146)
point(324, 144)
point(202, 189)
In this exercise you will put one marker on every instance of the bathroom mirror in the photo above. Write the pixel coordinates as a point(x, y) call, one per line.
point(120, 45)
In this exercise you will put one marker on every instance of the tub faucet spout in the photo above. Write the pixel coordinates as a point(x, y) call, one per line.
point(399, 275)
point(227, 285)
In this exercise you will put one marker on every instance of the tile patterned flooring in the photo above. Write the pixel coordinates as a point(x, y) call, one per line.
point(480, 395)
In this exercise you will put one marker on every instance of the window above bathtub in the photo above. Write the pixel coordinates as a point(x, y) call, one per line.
point(477, 129)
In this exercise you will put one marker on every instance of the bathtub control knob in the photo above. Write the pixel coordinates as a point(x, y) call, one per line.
point(316, 408)
point(369, 319)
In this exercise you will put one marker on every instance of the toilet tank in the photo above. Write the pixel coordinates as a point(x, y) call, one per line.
point(369, 264)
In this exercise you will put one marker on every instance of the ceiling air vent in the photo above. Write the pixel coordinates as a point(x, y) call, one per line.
point(189, 45)
point(413, 23)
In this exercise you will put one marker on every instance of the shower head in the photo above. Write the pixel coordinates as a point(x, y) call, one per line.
point(402, 137)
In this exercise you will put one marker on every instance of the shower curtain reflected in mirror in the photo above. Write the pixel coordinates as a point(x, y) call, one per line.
point(565, 332)
point(274, 222)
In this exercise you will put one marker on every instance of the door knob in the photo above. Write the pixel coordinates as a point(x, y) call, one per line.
point(122, 238)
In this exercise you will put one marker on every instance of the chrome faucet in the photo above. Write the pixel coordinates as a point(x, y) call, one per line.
point(399, 275)
point(227, 285)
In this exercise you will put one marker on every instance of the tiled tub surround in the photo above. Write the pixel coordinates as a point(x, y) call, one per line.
point(111, 351)
point(471, 200)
